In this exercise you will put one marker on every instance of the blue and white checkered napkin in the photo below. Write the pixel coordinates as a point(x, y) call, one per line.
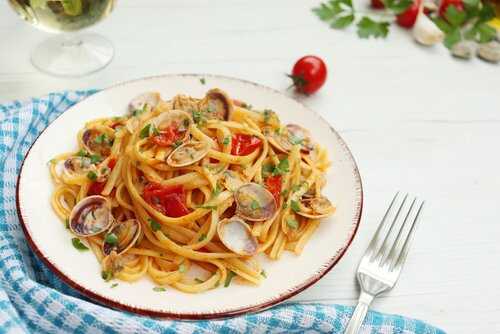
point(34, 300)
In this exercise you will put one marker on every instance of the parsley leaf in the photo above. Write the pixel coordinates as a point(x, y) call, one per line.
point(342, 21)
point(203, 81)
point(263, 273)
point(78, 244)
point(296, 140)
point(92, 176)
point(398, 6)
point(452, 38)
point(229, 278)
point(202, 237)
point(82, 153)
point(100, 139)
point(292, 223)
point(145, 131)
point(182, 268)
point(66, 222)
point(454, 16)
point(95, 158)
point(177, 143)
point(254, 205)
point(226, 140)
point(155, 226)
point(282, 168)
point(370, 28)
point(106, 275)
point(295, 206)
point(111, 239)
point(159, 289)
point(114, 285)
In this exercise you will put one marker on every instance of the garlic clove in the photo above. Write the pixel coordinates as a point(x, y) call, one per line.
point(425, 31)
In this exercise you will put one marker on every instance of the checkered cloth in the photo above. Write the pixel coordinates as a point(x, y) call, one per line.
point(34, 300)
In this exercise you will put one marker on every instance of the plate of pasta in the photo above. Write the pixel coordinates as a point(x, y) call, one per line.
point(189, 196)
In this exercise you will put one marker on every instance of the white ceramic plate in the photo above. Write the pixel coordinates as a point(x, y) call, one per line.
point(285, 278)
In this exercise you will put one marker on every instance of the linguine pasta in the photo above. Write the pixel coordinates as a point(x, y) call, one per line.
point(191, 185)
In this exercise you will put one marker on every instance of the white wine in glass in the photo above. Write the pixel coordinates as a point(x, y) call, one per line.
point(68, 53)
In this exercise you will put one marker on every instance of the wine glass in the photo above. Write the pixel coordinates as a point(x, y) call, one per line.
point(67, 53)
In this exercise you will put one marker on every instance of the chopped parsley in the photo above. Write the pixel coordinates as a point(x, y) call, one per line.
point(82, 153)
point(66, 222)
point(226, 140)
point(267, 169)
point(92, 176)
point(203, 81)
point(154, 130)
point(197, 280)
point(284, 206)
point(177, 143)
point(296, 187)
point(263, 273)
point(285, 192)
point(95, 158)
point(100, 139)
point(229, 278)
point(78, 244)
point(296, 140)
point(202, 237)
point(145, 131)
point(106, 275)
point(216, 191)
point(182, 268)
point(254, 205)
point(267, 115)
point(111, 239)
point(198, 117)
point(159, 289)
point(292, 223)
point(295, 206)
point(155, 226)
point(282, 168)
point(114, 285)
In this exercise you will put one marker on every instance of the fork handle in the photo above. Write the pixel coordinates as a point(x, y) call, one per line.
point(359, 314)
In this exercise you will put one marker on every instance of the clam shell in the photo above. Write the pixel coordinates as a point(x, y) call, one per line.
point(236, 235)
point(76, 166)
point(127, 233)
point(231, 180)
point(150, 98)
point(91, 216)
point(188, 154)
point(89, 143)
point(182, 119)
point(217, 104)
point(254, 202)
point(319, 207)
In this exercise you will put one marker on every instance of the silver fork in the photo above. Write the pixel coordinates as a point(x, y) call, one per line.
point(378, 270)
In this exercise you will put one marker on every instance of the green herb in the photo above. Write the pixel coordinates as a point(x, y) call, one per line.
point(159, 289)
point(254, 205)
point(145, 131)
point(100, 139)
point(282, 168)
point(154, 130)
point(155, 226)
point(202, 237)
point(295, 206)
point(267, 169)
point(341, 14)
point(297, 187)
point(66, 222)
point(197, 280)
point(202, 81)
point(292, 223)
point(106, 275)
point(182, 268)
point(104, 170)
point(82, 153)
point(285, 205)
point(114, 285)
point(177, 143)
point(137, 112)
point(111, 239)
point(95, 158)
point(263, 273)
point(205, 206)
point(226, 140)
point(92, 176)
point(198, 117)
point(370, 28)
point(216, 191)
point(246, 106)
point(285, 192)
point(296, 140)
point(51, 161)
point(78, 244)
point(267, 115)
point(229, 278)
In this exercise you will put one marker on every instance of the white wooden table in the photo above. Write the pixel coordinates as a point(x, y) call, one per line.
point(415, 119)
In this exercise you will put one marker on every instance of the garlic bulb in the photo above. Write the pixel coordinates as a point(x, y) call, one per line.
point(425, 31)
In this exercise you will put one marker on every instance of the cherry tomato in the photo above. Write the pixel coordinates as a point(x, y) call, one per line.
point(308, 74)
point(443, 6)
point(273, 184)
point(169, 200)
point(377, 4)
point(243, 144)
point(409, 16)
point(112, 163)
point(167, 136)
point(96, 188)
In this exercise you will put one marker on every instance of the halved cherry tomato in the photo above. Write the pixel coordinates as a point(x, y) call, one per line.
point(96, 188)
point(243, 144)
point(112, 163)
point(443, 6)
point(408, 18)
point(308, 74)
point(273, 184)
point(169, 200)
point(377, 4)
point(167, 136)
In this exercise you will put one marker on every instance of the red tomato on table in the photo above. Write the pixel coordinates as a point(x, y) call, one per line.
point(308, 74)
point(169, 200)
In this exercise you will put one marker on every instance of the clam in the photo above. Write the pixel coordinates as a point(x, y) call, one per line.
point(186, 103)
point(315, 208)
point(254, 202)
point(150, 99)
point(217, 105)
point(278, 139)
point(177, 120)
point(231, 180)
point(91, 216)
point(237, 236)
point(121, 237)
point(284, 139)
point(188, 153)
point(76, 166)
point(96, 142)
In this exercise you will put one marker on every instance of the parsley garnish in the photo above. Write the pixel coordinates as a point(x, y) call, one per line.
point(254, 205)
point(295, 206)
point(202, 237)
point(229, 278)
point(82, 153)
point(182, 268)
point(370, 28)
point(267, 115)
point(145, 131)
point(197, 280)
point(106, 275)
point(114, 285)
point(296, 140)
point(292, 223)
point(263, 273)
point(226, 140)
point(267, 169)
point(282, 168)
point(284, 206)
point(203, 81)
point(155, 226)
point(159, 289)
point(177, 143)
point(66, 222)
point(285, 192)
point(111, 239)
point(216, 191)
point(100, 139)
point(78, 244)
point(198, 117)
point(95, 158)
point(92, 176)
